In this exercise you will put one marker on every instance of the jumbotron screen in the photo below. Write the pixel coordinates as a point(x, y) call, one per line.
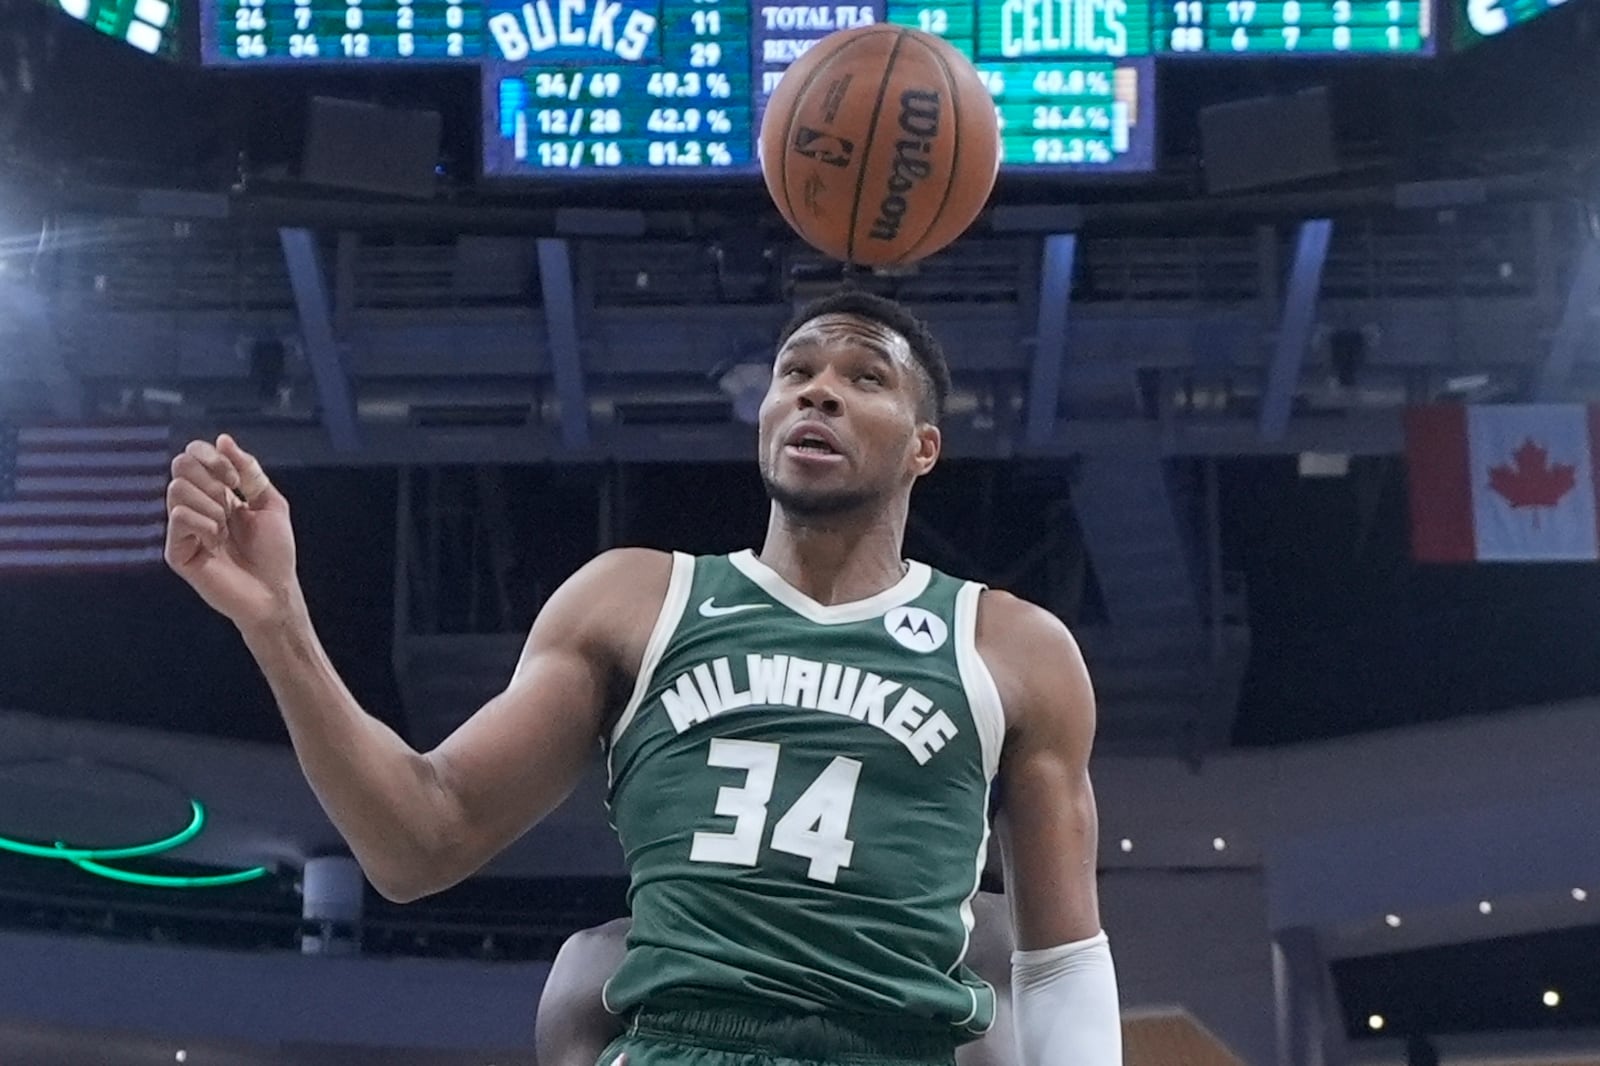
point(694, 100)
point(151, 26)
point(621, 87)
point(761, 37)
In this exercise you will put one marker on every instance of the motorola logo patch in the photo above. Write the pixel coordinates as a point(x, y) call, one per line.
point(917, 629)
point(823, 147)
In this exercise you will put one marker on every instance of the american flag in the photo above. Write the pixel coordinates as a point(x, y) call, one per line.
point(76, 498)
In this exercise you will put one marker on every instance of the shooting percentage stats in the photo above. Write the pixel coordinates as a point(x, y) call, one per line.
point(680, 86)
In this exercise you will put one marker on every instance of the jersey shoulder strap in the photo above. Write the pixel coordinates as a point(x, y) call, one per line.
point(983, 695)
point(668, 618)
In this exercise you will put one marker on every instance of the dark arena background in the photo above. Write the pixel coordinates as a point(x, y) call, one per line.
point(1273, 357)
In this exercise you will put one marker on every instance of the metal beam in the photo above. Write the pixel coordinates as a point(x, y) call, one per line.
point(1583, 298)
point(1107, 341)
point(345, 255)
point(1050, 339)
point(400, 619)
point(314, 304)
point(561, 327)
point(489, 484)
point(1310, 1023)
point(1294, 328)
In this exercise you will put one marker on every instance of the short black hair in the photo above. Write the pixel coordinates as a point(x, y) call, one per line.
point(925, 348)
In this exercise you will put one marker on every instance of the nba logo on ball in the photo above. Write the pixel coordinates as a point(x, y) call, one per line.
point(916, 628)
point(823, 147)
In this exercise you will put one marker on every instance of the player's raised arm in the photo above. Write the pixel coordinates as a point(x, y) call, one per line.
point(1064, 990)
point(417, 823)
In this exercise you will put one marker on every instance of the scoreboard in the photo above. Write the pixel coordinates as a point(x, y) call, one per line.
point(692, 89)
point(624, 87)
point(311, 31)
point(1304, 27)
point(151, 26)
point(773, 32)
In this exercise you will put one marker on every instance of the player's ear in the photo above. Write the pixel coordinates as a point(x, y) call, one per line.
point(925, 449)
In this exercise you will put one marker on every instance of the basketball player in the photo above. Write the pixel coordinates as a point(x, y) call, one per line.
point(801, 742)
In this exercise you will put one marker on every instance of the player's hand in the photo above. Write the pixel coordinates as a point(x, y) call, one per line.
point(228, 533)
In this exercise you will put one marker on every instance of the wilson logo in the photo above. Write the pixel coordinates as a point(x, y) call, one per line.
point(919, 123)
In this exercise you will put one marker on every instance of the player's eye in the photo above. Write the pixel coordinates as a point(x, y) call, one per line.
point(871, 377)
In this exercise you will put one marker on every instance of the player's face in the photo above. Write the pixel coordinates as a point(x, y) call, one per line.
point(839, 425)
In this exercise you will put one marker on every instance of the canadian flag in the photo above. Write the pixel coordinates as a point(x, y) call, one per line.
point(1504, 483)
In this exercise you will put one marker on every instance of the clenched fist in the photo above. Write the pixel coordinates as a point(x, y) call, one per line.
point(228, 533)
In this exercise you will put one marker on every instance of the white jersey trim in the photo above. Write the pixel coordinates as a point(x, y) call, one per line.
point(913, 584)
point(983, 696)
point(672, 605)
point(969, 922)
point(988, 717)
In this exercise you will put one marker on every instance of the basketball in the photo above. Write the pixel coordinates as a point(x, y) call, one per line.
point(880, 145)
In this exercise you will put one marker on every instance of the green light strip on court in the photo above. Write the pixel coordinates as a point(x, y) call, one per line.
point(91, 860)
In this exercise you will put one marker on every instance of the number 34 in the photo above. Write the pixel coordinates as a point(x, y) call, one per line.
point(814, 828)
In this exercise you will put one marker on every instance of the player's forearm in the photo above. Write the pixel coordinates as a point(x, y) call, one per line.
point(1065, 1005)
point(379, 792)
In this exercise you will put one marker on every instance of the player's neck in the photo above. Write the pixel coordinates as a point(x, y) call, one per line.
point(841, 559)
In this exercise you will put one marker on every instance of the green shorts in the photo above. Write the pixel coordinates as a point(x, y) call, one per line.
point(740, 1036)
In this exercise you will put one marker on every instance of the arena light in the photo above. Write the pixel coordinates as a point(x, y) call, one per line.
point(1485, 907)
point(1392, 921)
point(197, 821)
point(128, 877)
point(1219, 844)
point(1375, 1022)
point(181, 1056)
point(1579, 894)
point(1551, 998)
point(93, 860)
point(1127, 845)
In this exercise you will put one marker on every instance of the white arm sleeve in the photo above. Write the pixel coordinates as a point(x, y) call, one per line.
point(1064, 1005)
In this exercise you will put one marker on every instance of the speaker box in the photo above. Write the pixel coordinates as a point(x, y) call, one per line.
point(359, 146)
point(1268, 140)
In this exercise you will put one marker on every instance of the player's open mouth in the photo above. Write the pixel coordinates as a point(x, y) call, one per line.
point(813, 453)
point(813, 443)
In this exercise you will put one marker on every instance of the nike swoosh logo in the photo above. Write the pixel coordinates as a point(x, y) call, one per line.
point(709, 609)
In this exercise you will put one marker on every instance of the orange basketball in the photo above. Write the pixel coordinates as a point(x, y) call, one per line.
point(880, 145)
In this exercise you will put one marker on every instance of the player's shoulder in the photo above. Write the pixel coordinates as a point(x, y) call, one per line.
point(608, 605)
point(1035, 661)
point(631, 575)
point(609, 937)
point(621, 565)
point(1007, 622)
point(589, 956)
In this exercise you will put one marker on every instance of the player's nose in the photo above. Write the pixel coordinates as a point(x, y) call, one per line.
point(822, 393)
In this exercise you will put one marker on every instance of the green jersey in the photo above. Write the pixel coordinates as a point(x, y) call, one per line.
point(801, 792)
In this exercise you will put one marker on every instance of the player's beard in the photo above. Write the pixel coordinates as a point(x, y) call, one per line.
point(815, 503)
